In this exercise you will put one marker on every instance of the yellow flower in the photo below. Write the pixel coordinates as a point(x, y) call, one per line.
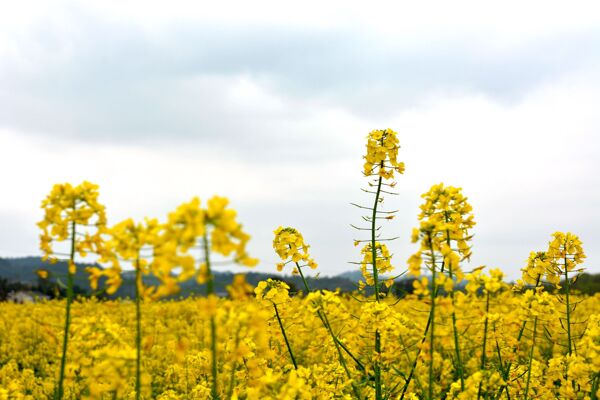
point(565, 252)
point(273, 290)
point(382, 154)
point(42, 273)
point(289, 245)
point(421, 287)
point(382, 263)
point(74, 214)
point(239, 288)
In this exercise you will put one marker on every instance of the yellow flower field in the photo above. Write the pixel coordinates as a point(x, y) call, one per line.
point(462, 334)
point(253, 360)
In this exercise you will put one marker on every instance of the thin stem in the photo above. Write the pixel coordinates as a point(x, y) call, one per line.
point(459, 365)
point(378, 389)
point(595, 382)
point(303, 278)
point(530, 358)
point(373, 239)
point(485, 332)
point(377, 367)
point(234, 366)
point(59, 393)
point(138, 337)
point(337, 343)
point(568, 304)
point(210, 291)
point(287, 342)
point(210, 284)
point(504, 373)
point(414, 365)
point(432, 313)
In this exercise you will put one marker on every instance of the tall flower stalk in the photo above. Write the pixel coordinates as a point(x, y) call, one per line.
point(72, 215)
point(381, 164)
point(137, 244)
point(276, 292)
point(211, 230)
point(444, 235)
point(565, 252)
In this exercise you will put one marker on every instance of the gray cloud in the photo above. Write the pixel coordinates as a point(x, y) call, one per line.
point(107, 81)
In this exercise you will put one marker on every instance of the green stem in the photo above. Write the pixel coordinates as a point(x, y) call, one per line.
point(567, 291)
point(373, 237)
point(303, 278)
point(530, 358)
point(485, 332)
point(210, 284)
point(234, 367)
point(210, 290)
point(414, 365)
point(378, 389)
point(287, 342)
point(59, 392)
point(501, 363)
point(432, 313)
point(595, 382)
point(459, 365)
point(338, 346)
point(377, 367)
point(138, 337)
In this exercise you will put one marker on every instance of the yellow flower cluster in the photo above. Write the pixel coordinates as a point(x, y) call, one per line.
point(69, 212)
point(445, 221)
point(273, 290)
point(537, 267)
point(383, 264)
point(227, 235)
point(564, 253)
point(382, 154)
point(491, 283)
point(190, 224)
point(290, 247)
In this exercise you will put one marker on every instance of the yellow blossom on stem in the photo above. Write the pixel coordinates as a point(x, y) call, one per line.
point(382, 154)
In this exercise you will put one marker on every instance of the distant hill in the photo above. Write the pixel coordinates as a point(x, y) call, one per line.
point(23, 271)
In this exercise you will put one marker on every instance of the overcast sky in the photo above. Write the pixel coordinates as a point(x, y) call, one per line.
point(268, 103)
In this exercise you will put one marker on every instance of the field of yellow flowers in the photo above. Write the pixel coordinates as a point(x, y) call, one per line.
point(460, 335)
